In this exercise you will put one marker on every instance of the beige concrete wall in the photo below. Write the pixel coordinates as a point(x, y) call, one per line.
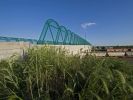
point(75, 48)
point(6, 53)
point(15, 45)
point(7, 49)
point(99, 54)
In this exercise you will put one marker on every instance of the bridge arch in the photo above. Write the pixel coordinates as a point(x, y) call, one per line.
point(61, 35)
point(53, 33)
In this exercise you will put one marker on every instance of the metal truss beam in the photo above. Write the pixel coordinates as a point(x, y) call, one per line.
point(52, 33)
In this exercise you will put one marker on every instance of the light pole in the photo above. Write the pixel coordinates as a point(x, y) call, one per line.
point(85, 37)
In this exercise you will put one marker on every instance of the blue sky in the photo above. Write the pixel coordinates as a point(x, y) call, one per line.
point(105, 22)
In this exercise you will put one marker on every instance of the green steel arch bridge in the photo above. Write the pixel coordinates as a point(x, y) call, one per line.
point(52, 33)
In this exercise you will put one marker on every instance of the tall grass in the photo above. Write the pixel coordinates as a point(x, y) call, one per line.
point(49, 73)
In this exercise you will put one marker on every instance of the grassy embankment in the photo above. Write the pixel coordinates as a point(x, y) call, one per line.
point(51, 74)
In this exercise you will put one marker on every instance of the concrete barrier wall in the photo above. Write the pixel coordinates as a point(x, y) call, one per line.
point(7, 49)
point(75, 48)
point(14, 45)
point(6, 53)
point(99, 54)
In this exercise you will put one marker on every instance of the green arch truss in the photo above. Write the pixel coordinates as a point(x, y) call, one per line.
point(53, 33)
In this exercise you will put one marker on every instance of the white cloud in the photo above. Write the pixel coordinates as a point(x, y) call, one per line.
point(87, 24)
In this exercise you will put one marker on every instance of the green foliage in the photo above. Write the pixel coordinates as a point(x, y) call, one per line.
point(48, 73)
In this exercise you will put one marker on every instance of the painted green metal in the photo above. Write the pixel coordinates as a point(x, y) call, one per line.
point(12, 39)
point(60, 35)
point(53, 33)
